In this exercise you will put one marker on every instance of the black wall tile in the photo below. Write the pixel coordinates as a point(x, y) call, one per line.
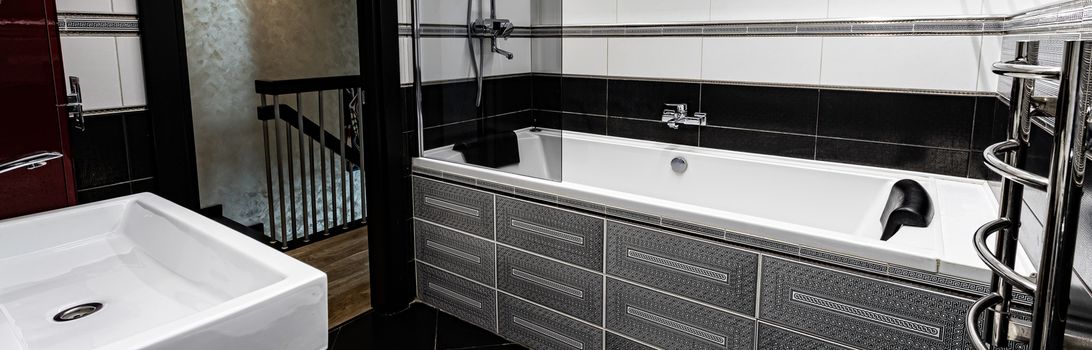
point(914, 119)
point(584, 95)
point(450, 134)
point(761, 108)
point(652, 131)
point(778, 144)
point(99, 152)
point(646, 99)
point(591, 124)
point(145, 185)
point(507, 95)
point(547, 92)
point(932, 160)
point(141, 144)
point(409, 108)
point(104, 193)
point(449, 103)
point(991, 122)
point(508, 122)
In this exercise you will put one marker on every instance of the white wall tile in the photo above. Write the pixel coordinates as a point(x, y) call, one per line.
point(589, 11)
point(660, 11)
point(94, 6)
point(655, 57)
point(729, 10)
point(454, 11)
point(495, 64)
point(405, 59)
point(919, 62)
point(517, 11)
point(764, 59)
point(95, 61)
point(903, 8)
point(548, 55)
point(405, 14)
point(586, 56)
point(445, 58)
point(125, 7)
point(991, 52)
point(131, 66)
point(546, 12)
point(1009, 7)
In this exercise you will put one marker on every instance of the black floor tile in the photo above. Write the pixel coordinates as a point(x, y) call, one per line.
point(413, 329)
point(452, 333)
point(333, 338)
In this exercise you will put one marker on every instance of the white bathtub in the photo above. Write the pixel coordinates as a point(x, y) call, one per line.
point(827, 206)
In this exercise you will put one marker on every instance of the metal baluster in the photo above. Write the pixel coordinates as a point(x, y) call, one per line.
point(352, 183)
point(310, 174)
point(360, 148)
point(1064, 198)
point(303, 168)
point(280, 169)
point(291, 185)
point(344, 182)
point(322, 164)
point(269, 176)
point(1012, 196)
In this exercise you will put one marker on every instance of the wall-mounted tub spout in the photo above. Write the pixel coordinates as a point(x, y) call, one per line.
point(909, 204)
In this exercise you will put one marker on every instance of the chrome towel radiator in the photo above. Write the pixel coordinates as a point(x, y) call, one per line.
point(1051, 286)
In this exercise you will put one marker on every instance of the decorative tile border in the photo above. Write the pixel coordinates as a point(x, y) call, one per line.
point(851, 262)
point(81, 24)
point(106, 111)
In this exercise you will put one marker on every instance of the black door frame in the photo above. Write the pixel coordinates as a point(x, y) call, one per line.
point(386, 174)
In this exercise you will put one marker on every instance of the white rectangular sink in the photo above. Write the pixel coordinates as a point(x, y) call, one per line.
point(166, 278)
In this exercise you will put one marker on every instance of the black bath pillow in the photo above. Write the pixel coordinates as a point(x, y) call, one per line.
point(908, 204)
point(494, 150)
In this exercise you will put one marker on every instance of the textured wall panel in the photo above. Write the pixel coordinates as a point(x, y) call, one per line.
point(689, 267)
point(539, 328)
point(460, 297)
point(560, 234)
point(617, 342)
point(463, 254)
point(454, 206)
point(773, 338)
point(558, 286)
point(672, 323)
point(859, 311)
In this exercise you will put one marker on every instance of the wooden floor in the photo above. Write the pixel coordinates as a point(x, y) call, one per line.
point(344, 258)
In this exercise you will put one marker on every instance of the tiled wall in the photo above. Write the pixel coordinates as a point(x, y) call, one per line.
point(100, 44)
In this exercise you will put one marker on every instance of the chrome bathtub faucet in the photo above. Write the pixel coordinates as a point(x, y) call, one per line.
point(676, 113)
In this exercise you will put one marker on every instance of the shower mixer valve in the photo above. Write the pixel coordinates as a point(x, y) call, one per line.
point(494, 28)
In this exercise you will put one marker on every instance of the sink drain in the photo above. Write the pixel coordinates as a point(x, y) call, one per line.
point(77, 312)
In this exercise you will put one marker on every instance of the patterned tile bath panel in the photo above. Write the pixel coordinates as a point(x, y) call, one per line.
point(454, 206)
point(617, 342)
point(553, 284)
point(560, 234)
point(540, 328)
point(859, 311)
point(689, 267)
point(672, 323)
point(463, 254)
point(460, 297)
point(774, 338)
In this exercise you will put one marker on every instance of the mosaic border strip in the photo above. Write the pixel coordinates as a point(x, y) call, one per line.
point(119, 110)
point(854, 263)
point(73, 24)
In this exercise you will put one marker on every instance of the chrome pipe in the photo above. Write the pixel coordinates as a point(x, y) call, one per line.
point(291, 186)
point(417, 75)
point(1009, 172)
point(1022, 69)
point(1006, 273)
point(344, 181)
point(1063, 199)
point(303, 168)
point(360, 153)
point(269, 177)
point(280, 166)
point(970, 324)
point(322, 164)
point(30, 162)
point(1012, 194)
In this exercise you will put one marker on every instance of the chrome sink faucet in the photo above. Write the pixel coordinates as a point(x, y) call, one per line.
point(676, 114)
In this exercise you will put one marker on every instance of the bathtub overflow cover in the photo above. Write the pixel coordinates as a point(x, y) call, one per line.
point(77, 312)
point(679, 165)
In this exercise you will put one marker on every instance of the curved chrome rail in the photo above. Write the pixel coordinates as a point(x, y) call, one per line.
point(971, 323)
point(1021, 176)
point(30, 162)
point(1020, 69)
point(1009, 275)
